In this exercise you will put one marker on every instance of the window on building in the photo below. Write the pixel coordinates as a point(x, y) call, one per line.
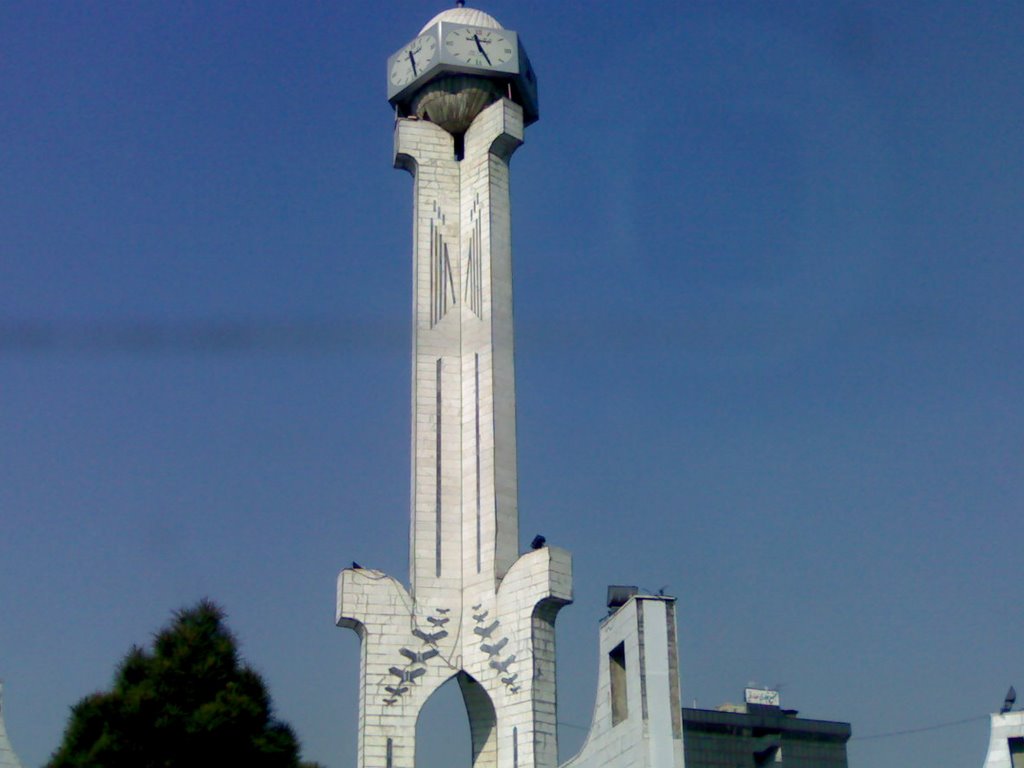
point(617, 678)
point(1016, 752)
point(768, 756)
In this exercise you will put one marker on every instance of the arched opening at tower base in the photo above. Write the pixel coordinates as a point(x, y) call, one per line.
point(456, 727)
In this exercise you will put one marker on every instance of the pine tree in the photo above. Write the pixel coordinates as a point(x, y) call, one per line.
point(190, 703)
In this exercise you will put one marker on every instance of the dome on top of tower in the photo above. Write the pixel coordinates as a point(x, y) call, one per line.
point(462, 15)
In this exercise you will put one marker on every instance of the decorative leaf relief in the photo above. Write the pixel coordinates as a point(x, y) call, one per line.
point(416, 661)
point(493, 648)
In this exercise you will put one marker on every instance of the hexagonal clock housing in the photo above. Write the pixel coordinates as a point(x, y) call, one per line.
point(448, 48)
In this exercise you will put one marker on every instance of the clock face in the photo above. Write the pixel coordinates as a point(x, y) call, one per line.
point(479, 47)
point(413, 60)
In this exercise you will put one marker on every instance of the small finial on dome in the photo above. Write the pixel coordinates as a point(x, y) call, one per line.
point(460, 3)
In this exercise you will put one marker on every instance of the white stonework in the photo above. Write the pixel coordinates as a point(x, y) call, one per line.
point(7, 757)
point(476, 610)
point(637, 720)
point(1006, 742)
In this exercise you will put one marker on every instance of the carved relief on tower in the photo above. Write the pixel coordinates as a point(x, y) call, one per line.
point(473, 290)
point(443, 294)
point(414, 658)
point(495, 645)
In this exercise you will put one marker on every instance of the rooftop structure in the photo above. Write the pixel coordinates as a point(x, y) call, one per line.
point(760, 734)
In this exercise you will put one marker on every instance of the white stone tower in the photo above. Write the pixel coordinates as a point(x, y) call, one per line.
point(475, 609)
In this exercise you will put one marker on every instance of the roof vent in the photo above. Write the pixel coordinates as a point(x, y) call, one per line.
point(618, 595)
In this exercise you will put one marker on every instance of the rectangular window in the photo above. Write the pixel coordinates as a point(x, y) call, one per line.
point(617, 679)
point(1016, 752)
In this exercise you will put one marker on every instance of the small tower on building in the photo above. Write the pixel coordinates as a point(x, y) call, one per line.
point(1006, 735)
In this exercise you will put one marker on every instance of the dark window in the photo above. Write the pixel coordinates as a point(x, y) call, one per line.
point(1016, 752)
point(617, 677)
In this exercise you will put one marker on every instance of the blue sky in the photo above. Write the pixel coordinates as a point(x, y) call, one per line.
point(768, 280)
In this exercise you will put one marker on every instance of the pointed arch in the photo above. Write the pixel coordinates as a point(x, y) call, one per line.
point(483, 721)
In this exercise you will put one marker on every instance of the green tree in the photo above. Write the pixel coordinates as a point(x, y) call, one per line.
point(190, 703)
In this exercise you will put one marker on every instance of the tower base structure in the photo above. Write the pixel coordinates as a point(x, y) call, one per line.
point(498, 645)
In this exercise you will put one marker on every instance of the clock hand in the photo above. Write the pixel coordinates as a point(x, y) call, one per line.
point(481, 49)
point(412, 60)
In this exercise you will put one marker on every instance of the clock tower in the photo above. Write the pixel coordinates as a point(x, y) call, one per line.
point(476, 609)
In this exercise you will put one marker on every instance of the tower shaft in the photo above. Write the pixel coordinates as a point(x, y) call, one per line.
point(464, 522)
point(475, 610)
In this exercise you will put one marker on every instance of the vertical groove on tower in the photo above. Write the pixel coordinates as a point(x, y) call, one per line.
point(476, 408)
point(437, 475)
point(435, 279)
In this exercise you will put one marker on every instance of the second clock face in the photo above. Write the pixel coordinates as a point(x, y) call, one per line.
point(414, 59)
point(482, 48)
